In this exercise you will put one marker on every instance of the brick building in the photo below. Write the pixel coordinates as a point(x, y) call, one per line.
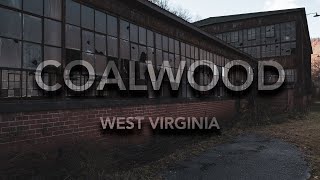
point(99, 32)
point(278, 35)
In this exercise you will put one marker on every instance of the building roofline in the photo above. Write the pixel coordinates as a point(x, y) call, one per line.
point(192, 27)
point(237, 17)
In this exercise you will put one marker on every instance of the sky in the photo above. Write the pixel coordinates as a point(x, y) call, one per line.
point(201, 9)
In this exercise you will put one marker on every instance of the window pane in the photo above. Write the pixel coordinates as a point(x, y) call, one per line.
point(101, 42)
point(142, 36)
point(133, 33)
point(134, 52)
point(142, 54)
point(165, 43)
point(100, 64)
point(158, 41)
point(73, 37)
point(32, 55)
point(12, 3)
point(112, 46)
point(52, 9)
point(33, 6)
point(52, 53)
point(73, 12)
point(101, 22)
point(10, 53)
point(150, 40)
point(171, 45)
point(52, 30)
point(177, 47)
point(32, 29)
point(87, 17)
point(10, 23)
point(112, 26)
point(124, 49)
point(87, 41)
point(124, 30)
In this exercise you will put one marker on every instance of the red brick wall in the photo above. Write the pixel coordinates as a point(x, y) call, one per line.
point(42, 127)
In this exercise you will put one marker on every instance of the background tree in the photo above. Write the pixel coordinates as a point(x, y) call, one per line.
point(315, 60)
point(178, 11)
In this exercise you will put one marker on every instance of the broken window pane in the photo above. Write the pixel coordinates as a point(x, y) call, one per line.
point(112, 26)
point(89, 58)
point(100, 45)
point(32, 55)
point(73, 37)
point(112, 46)
point(100, 22)
point(87, 41)
point(52, 53)
point(52, 32)
point(101, 42)
point(150, 55)
point(10, 53)
point(134, 52)
point(72, 12)
point(124, 49)
point(87, 17)
point(133, 33)
point(32, 28)
point(52, 9)
point(270, 31)
point(124, 30)
point(142, 54)
point(150, 40)
point(10, 23)
point(142, 36)
point(33, 6)
point(12, 3)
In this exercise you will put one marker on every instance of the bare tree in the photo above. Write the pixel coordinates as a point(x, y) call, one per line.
point(178, 11)
point(315, 60)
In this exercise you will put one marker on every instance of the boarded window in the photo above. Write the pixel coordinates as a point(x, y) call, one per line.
point(100, 45)
point(124, 30)
point(87, 41)
point(112, 26)
point(72, 12)
point(150, 38)
point(32, 29)
point(10, 23)
point(87, 17)
point(52, 30)
point(73, 37)
point(112, 46)
point(12, 3)
point(142, 36)
point(33, 6)
point(100, 22)
point(52, 9)
point(32, 55)
point(52, 53)
point(10, 53)
point(124, 49)
point(133, 33)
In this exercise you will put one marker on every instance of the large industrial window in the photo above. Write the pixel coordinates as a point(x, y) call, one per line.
point(72, 12)
point(33, 6)
point(32, 29)
point(10, 53)
point(12, 3)
point(252, 34)
point(10, 24)
point(52, 32)
point(52, 9)
point(270, 31)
